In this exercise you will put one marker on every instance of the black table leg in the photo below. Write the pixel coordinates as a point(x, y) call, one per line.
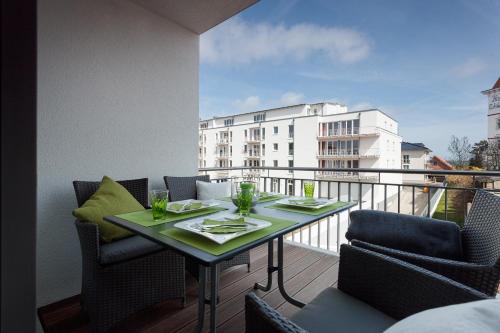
point(214, 281)
point(281, 286)
point(202, 274)
point(270, 268)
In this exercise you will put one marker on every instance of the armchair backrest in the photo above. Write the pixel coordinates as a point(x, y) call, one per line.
point(137, 187)
point(183, 188)
point(481, 231)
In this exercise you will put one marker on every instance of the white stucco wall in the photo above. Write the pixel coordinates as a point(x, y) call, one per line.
point(117, 95)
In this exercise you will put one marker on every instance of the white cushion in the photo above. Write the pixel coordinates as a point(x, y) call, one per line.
point(479, 316)
point(207, 191)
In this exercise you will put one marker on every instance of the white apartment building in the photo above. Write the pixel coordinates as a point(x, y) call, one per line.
point(414, 156)
point(493, 112)
point(322, 135)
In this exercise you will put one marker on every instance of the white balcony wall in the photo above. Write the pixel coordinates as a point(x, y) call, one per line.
point(117, 96)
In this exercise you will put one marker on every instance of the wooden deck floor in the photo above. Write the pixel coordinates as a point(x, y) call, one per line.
point(307, 273)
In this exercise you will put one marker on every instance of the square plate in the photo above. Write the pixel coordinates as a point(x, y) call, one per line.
point(194, 225)
point(204, 205)
point(322, 202)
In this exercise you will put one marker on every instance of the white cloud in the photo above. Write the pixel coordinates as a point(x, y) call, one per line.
point(248, 104)
point(469, 68)
point(241, 42)
point(291, 98)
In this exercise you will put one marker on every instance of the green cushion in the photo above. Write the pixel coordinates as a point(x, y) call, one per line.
point(110, 198)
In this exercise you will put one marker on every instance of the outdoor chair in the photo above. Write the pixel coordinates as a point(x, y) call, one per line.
point(127, 275)
point(470, 255)
point(374, 292)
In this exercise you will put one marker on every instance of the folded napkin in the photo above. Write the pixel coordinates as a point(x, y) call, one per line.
point(226, 226)
point(179, 207)
point(305, 202)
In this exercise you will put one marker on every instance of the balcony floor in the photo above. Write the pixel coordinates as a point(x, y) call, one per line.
point(307, 273)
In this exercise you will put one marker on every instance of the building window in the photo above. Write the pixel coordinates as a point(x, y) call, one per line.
point(263, 130)
point(231, 164)
point(228, 122)
point(406, 159)
point(290, 148)
point(275, 130)
point(246, 133)
point(275, 163)
point(230, 150)
point(498, 123)
point(290, 131)
point(245, 148)
point(406, 167)
point(263, 150)
point(263, 163)
point(204, 125)
point(290, 165)
point(231, 136)
point(275, 146)
point(259, 117)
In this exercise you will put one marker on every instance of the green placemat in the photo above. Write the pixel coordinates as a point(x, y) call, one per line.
point(145, 218)
point(266, 199)
point(309, 211)
point(211, 247)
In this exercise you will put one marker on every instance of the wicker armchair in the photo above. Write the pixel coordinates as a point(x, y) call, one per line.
point(127, 275)
point(476, 258)
point(374, 292)
point(183, 188)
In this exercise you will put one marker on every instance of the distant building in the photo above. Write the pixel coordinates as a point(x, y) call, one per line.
point(414, 156)
point(321, 135)
point(493, 113)
point(439, 163)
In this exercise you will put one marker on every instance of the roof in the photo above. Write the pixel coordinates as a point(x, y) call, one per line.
point(495, 86)
point(442, 161)
point(414, 146)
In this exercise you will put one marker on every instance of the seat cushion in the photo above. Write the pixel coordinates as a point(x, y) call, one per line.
point(110, 198)
point(479, 316)
point(334, 311)
point(207, 191)
point(126, 249)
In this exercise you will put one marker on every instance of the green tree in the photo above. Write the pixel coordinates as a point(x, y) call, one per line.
point(478, 152)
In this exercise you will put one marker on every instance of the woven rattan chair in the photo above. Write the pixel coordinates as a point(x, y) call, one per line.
point(183, 188)
point(473, 255)
point(127, 275)
point(374, 292)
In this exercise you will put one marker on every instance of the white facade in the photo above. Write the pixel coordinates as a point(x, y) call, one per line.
point(414, 156)
point(322, 135)
point(494, 112)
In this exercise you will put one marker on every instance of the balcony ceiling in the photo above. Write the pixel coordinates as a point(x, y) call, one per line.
point(196, 15)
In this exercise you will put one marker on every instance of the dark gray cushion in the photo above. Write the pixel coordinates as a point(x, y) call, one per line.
point(335, 311)
point(416, 234)
point(126, 249)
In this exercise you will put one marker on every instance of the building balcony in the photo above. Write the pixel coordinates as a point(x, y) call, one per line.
point(223, 141)
point(222, 157)
point(253, 139)
point(337, 155)
point(350, 133)
point(253, 154)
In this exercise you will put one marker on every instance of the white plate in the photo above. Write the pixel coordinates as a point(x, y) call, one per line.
point(194, 225)
point(323, 202)
point(204, 205)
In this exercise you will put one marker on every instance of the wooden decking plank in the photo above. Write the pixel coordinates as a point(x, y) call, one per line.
point(188, 315)
point(236, 305)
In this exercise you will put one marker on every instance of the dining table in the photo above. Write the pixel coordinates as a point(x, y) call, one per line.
point(208, 254)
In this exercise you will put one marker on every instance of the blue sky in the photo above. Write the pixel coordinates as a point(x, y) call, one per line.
point(423, 62)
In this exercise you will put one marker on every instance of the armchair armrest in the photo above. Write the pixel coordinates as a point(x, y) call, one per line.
point(408, 233)
point(261, 318)
point(395, 287)
point(88, 233)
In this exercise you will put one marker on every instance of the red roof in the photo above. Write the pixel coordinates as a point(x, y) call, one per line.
point(497, 84)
